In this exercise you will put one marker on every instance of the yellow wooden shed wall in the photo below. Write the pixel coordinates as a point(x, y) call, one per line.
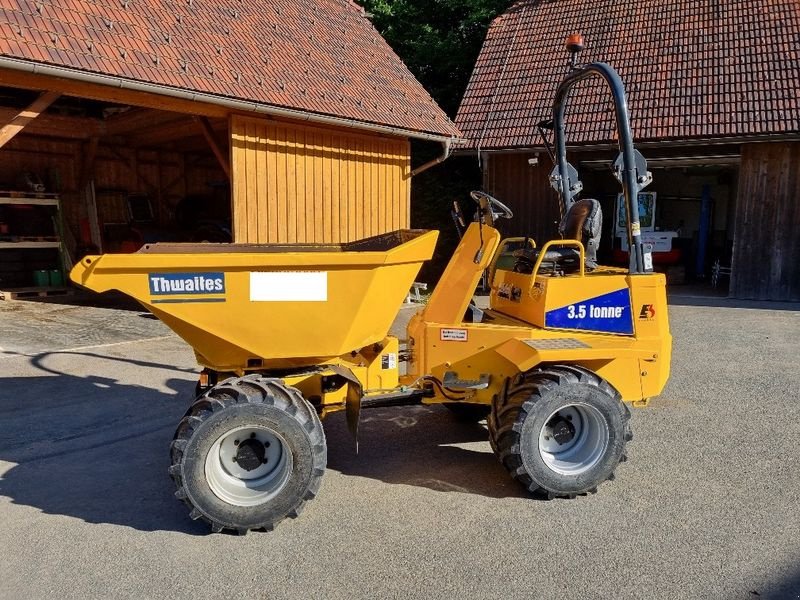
point(296, 183)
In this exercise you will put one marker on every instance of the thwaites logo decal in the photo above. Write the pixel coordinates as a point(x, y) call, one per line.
point(648, 312)
point(609, 313)
point(453, 335)
point(192, 287)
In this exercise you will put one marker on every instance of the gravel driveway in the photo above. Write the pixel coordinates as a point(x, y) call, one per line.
point(707, 507)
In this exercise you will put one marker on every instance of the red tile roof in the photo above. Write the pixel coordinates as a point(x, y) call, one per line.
point(693, 70)
point(316, 56)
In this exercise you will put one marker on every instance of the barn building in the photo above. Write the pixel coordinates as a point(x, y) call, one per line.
point(130, 121)
point(714, 95)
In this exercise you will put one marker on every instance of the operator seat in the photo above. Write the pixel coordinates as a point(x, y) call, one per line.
point(584, 223)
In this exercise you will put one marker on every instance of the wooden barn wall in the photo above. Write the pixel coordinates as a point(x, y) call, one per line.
point(526, 190)
point(296, 183)
point(165, 177)
point(766, 243)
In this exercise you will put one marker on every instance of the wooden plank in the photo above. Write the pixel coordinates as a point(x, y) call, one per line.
point(34, 292)
point(281, 178)
point(394, 193)
point(94, 222)
point(131, 163)
point(405, 186)
point(239, 180)
point(291, 185)
point(261, 185)
point(320, 185)
point(359, 161)
point(221, 156)
point(374, 200)
point(87, 162)
point(272, 182)
point(7, 245)
point(22, 118)
point(526, 189)
point(318, 198)
point(344, 191)
point(251, 189)
point(305, 190)
point(352, 175)
point(332, 175)
point(765, 243)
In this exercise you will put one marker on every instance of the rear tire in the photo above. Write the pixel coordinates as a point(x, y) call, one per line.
point(560, 430)
point(468, 413)
point(249, 453)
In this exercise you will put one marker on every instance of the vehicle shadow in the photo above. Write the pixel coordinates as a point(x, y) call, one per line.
point(423, 446)
point(94, 448)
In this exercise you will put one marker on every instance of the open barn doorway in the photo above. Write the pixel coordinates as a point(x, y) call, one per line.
point(80, 176)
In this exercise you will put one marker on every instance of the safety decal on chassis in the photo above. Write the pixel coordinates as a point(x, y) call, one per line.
point(453, 335)
point(609, 313)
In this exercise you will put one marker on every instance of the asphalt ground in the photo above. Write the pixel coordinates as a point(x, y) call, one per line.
point(706, 507)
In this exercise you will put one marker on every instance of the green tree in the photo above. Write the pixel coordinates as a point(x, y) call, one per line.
point(439, 40)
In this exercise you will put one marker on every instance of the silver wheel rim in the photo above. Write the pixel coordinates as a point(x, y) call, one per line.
point(585, 448)
point(236, 485)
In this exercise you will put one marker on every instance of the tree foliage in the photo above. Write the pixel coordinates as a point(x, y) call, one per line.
point(439, 40)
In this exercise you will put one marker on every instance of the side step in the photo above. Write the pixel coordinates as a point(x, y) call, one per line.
point(403, 398)
point(452, 382)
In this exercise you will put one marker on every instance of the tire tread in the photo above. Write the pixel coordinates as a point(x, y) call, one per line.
point(519, 398)
point(252, 389)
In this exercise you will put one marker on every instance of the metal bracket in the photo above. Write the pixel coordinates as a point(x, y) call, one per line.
point(574, 184)
point(451, 381)
point(643, 176)
point(352, 400)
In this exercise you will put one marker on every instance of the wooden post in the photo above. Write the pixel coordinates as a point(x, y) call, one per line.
point(24, 117)
point(87, 166)
point(209, 135)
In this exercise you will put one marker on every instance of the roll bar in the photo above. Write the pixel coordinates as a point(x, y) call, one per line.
point(631, 168)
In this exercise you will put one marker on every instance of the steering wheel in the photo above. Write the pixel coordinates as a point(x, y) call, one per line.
point(502, 210)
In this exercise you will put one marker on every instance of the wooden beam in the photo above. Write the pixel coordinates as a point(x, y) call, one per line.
point(57, 126)
point(131, 164)
point(208, 132)
point(163, 133)
point(132, 121)
point(24, 117)
point(109, 93)
point(87, 166)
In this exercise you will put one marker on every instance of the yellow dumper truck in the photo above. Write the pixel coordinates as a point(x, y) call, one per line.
point(287, 334)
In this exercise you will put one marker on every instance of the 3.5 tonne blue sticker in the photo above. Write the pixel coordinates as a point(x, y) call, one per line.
point(609, 313)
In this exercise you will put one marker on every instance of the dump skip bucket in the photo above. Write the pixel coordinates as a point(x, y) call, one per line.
point(286, 305)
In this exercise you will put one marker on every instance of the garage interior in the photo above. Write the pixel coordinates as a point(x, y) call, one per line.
point(694, 198)
point(80, 176)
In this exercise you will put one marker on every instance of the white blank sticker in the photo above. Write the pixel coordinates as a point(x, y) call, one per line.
point(289, 286)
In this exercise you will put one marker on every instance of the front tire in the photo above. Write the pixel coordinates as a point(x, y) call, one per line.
point(249, 453)
point(560, 431)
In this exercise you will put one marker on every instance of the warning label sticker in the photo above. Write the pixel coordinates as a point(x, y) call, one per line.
point(453, 335)
point(389, 361)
